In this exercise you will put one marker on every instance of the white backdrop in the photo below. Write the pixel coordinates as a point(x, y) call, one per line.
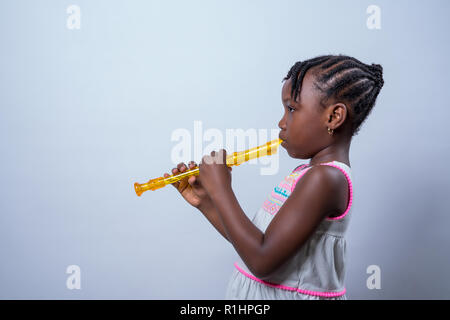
point(87, 112)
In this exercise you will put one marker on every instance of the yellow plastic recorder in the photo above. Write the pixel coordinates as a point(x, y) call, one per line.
point(234, 159)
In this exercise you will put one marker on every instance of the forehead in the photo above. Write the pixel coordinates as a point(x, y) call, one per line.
point(308, 94)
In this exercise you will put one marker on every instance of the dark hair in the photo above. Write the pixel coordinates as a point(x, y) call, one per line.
point(342, 78)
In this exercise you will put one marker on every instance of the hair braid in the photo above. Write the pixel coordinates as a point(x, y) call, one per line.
point(342, 78)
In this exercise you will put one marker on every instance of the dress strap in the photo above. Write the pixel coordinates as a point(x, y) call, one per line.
point(299, 168)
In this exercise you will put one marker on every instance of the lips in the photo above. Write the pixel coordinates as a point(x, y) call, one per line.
point(283, 144)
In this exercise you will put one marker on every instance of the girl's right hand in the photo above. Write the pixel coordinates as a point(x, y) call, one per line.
point(190, 188)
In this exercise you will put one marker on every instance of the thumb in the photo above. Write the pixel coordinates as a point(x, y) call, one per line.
point(192, 181)
point(195, 184)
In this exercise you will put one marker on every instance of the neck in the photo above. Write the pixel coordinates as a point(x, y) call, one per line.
point(334, 152)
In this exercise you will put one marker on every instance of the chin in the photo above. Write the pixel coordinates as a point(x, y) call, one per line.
point(296, 155)
point(292, 154)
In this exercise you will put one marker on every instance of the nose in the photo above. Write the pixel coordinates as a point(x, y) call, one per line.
point(282, 123)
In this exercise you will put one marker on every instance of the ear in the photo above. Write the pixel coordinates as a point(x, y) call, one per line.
point(336, 115)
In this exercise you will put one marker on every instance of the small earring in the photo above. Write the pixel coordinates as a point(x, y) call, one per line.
point(330, 131)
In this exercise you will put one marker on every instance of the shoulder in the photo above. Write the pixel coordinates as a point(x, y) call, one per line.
point(324, 175)
point(322, 183)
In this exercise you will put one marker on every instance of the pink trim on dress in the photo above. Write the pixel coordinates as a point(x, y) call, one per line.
point(299, 168)
point(350, 185)
point(298, 178)
point(279, 286)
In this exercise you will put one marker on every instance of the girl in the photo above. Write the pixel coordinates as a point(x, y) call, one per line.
point(294, 247)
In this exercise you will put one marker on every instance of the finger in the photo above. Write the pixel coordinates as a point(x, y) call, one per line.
point(222, 156)
point(206, 160)
point(181, 167)
point(182, 184)
point(167, 175)
point(192, 164)
point(174, 172)
point(214, 158)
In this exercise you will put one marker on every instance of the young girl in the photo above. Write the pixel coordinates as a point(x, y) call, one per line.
point(294, 247)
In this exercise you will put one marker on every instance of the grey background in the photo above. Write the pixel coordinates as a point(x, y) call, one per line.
point(86, 113)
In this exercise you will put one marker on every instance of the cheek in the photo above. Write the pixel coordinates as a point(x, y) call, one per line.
point(290, 121)
point(295, 126)
point(300, 131)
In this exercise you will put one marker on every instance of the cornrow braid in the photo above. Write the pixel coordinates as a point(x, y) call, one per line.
point(342, 78)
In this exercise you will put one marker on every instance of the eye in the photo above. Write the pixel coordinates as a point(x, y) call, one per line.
point(290, 109)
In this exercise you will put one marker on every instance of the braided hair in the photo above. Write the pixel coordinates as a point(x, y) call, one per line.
point(342, 78)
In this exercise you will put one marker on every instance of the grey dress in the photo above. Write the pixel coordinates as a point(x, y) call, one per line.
point(317, 269)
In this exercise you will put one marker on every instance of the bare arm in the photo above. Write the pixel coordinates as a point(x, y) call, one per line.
point(210, 212)
point(313, 198)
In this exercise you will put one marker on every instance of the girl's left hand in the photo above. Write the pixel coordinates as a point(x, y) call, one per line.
point(215, 175)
